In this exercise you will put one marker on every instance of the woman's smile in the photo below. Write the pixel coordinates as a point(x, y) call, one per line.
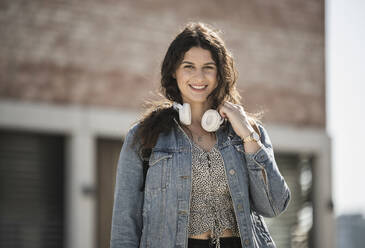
point(198, 88)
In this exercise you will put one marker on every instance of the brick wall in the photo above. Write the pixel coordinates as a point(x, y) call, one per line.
point(108, 53)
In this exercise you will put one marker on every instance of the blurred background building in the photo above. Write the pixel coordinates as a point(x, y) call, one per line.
point(74, 75)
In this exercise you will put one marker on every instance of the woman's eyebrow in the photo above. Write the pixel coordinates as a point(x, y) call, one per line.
point(187, 62)
point(190, 63)
point(210, 63)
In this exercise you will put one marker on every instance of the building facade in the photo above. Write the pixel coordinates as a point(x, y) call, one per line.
point(74, 76)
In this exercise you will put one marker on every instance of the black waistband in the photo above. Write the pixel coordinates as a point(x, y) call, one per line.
point(225, 241)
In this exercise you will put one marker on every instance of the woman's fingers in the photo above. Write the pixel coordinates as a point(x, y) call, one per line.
point(235, 107)
point(236, 116)
point(229, 105)
point(227, 110)
point(230, 110)
point(222, 111)
point(232, 105)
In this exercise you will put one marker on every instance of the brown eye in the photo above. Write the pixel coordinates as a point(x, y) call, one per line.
point(209, 67)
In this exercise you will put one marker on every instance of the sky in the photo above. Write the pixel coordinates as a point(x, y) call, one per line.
point(345, 79)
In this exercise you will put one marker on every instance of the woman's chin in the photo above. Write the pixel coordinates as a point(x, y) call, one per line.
point(195, 101)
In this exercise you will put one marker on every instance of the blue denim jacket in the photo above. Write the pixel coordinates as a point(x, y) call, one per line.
point(159, 216)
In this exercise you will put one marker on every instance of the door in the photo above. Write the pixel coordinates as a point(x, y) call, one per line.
point(31, 190)
point(107, 161)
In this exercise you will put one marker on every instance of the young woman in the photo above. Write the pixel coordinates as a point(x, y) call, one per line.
point(197, 170)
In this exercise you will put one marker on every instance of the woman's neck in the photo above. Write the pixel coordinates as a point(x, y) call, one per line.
point(197, 111)
point(203, 138)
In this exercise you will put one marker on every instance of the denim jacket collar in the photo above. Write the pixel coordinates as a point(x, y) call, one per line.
point(178, 141)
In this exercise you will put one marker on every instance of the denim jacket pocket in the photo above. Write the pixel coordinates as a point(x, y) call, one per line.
point(158, 174)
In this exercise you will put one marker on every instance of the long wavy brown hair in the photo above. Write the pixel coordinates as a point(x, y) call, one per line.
point(159, 117)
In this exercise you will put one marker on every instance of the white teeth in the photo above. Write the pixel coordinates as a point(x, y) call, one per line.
point(198, 87)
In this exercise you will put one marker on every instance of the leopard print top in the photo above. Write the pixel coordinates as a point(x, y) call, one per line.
point(211, 204)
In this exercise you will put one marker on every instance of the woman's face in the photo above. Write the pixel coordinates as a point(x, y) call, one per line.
point(196, 76)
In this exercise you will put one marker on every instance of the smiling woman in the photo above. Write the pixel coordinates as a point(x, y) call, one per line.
point(182, 183)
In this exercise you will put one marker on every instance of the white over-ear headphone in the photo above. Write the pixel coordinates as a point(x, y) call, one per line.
point(211, 119)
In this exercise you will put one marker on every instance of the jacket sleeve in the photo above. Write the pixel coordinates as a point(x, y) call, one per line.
point(128, 200)
point(269, 192)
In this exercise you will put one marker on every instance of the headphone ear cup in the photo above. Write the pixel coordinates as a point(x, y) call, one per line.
point(185, 114)
point(211, 120)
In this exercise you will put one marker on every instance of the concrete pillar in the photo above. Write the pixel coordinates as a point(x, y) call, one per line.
point(80, 226)
point(323, 208)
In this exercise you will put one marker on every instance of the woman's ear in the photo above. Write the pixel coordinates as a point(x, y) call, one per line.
point(174, 75)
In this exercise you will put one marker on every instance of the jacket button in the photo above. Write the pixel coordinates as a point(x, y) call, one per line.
point(247, 242)
point(231, 171)
point(182, 212)
point(239, 206)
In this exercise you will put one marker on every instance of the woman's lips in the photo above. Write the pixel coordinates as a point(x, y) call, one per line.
point(198, 87)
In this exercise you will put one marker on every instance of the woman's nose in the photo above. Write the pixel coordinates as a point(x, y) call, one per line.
point(199, 75)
